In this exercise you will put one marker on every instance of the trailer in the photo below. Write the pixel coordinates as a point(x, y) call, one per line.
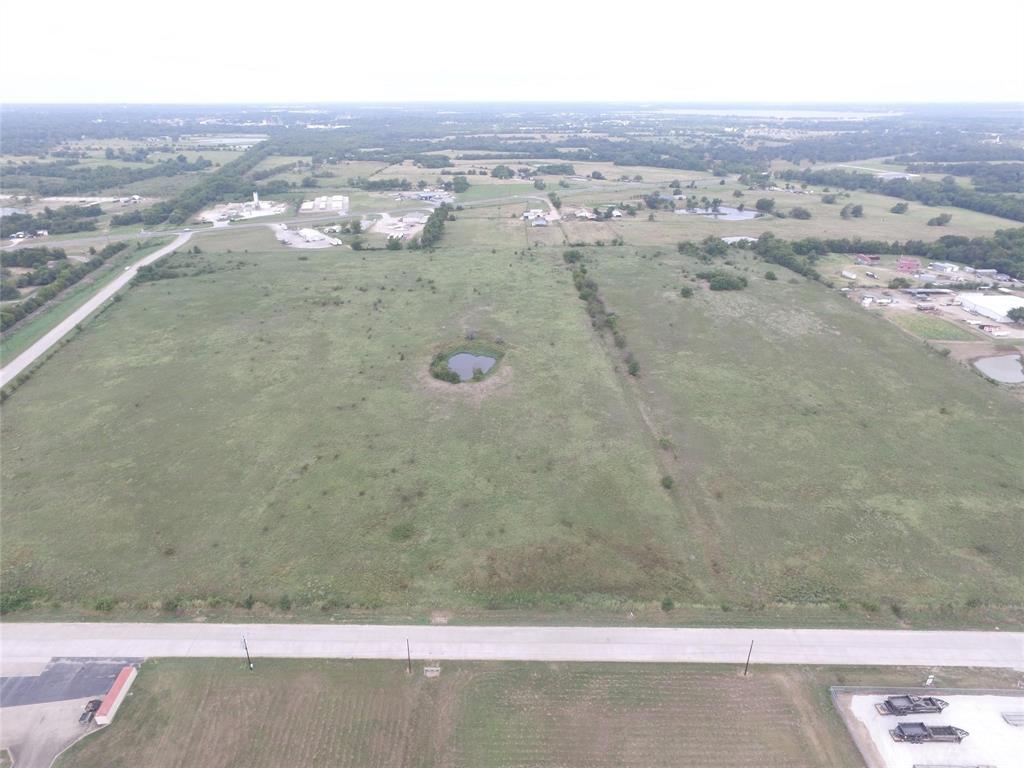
point(910, 705)
point(919, 733)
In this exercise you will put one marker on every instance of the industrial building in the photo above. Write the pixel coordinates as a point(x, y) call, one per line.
point(993, 307)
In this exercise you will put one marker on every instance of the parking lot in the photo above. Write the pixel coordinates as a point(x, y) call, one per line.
point(992, 741)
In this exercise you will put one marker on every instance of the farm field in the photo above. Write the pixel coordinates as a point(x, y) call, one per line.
point(373, 714)
point(931, 328)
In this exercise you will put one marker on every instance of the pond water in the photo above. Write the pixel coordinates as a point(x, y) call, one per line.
point(464, 364)
point(725, 213)
point(1005, 368)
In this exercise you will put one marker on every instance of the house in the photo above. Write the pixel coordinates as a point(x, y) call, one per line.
point(868, 259)
point(848, 274)
point(944, 266)
point(541, 222)
point(533, 214)
point(116, 695)
point(908, 264)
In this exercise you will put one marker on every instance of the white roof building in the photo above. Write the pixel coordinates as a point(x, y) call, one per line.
point(993, 307)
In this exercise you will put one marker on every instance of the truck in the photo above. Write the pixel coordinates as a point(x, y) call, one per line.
point(910, 705)
point(919, 733)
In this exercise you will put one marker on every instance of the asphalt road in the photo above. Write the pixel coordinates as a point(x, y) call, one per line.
point(37, 350)
point(33, 641)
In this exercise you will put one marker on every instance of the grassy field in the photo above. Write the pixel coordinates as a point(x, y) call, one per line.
point(931, 328)
point(264, 425)
point(805, 439)
point(16, 342)
point(332, 438)
point(336, 713)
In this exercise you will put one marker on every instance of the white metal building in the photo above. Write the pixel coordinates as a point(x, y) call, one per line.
point(994, 307)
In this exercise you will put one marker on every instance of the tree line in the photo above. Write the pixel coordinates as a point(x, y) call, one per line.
point(55, 221)
point(53, 281)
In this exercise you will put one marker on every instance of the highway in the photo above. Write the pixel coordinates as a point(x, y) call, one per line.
point(25, 643)
point(58, 332)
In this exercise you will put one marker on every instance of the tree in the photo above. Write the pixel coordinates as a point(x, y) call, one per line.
point(941, 220)
point(899, 208)
point(800, 213)
point(539, 184)
point(460, 184)
point(502, 172)
point(1016, 315)
point(597, 175)
point(765, 205)
point(8, 292)
point(769, 275)
point(394, 244)
point(899, 282)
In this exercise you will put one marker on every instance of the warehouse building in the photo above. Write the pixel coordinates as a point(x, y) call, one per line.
point(994, 307)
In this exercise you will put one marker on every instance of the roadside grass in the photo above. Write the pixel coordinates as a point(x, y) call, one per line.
point(25, 336)
point(931, 328)
point(362, 713)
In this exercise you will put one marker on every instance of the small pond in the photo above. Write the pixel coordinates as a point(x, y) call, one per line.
point(725, 213)
point(1005, 368)
point(464, 364)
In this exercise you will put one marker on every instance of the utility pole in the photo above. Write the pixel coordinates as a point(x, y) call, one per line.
point(747, 665)
point(408, 654)
point(249, 660)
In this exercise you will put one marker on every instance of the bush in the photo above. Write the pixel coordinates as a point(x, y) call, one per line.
point(667, 482)
point(769, 275)
point(285, 603)
point(686, 292)
point(403, 531)
point(633, 368)
point(719, 280)
point(667, 604)
point(104, 604)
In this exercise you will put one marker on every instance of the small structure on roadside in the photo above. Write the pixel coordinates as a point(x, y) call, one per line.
point(116, 694)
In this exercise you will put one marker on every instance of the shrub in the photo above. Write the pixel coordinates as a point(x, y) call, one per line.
point(769, 275)
point(104, 604)
point(667, 604)
point(667, 482)
point(719, 280)
point(634, 368)
point(285, 603)
point(686, 291)
point(402, 532)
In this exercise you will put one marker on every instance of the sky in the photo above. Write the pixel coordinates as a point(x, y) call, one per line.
point(786, 51)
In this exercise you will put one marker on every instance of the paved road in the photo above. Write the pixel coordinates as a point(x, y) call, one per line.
point(37, 350)
point(26, 642)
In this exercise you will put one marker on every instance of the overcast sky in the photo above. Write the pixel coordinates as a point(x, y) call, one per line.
point(686, 51)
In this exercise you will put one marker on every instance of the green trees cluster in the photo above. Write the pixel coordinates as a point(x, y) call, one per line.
point(433, 229)
point(53, 281)
point(380, 185)
point(502, 172)
point(56, 221)
point(557, 169)
point(68, 177)
point(721, 280)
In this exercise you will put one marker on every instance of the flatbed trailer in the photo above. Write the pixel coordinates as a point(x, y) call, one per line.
point(919, 733)
point(910, 705)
